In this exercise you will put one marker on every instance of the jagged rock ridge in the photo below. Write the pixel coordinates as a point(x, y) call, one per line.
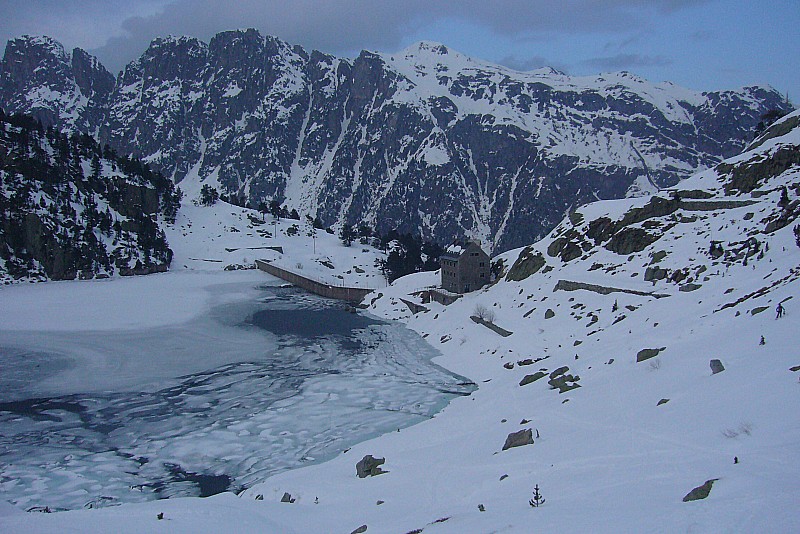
point(424, 140)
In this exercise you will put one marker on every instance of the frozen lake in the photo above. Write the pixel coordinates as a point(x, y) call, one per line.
point(254, 385)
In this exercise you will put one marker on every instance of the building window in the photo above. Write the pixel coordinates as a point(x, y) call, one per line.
point(483, 275)
point(482, 264)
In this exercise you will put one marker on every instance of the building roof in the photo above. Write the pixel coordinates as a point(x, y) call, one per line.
point(457, 248)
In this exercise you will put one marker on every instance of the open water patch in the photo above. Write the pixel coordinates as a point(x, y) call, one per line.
point(257, 387)
point(311, 323)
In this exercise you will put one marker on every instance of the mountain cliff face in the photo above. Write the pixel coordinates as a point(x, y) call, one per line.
point(39, 78)
point(424, 140)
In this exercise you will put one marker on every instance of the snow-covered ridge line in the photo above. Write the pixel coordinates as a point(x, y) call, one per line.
point(456, 146)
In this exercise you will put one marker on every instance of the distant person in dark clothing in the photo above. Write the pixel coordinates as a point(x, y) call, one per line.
point(779, 309)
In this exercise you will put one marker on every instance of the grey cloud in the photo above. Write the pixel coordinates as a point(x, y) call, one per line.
point(561, 16)
point(618, 45)
point(626, 61)
point(334, 27)
point(118, 32)
point(87, 24)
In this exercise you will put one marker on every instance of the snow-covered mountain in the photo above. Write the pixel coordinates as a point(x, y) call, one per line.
point(424, 140)
point(66, 90)
point(643, 361)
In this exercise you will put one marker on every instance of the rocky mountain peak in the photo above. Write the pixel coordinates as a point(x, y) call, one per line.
point(92, 78)
point(426, 140)
point(38, 77)
point(34, 62)
point(173, 58)
point(426, 49)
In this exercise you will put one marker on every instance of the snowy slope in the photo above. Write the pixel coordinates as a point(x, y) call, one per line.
point(223, 236)
point(619, 452)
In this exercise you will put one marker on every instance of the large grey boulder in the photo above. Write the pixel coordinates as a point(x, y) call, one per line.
point(646, 354)
point(518, 439)
point(700, 492)
point(369, 466)
point(716, 367)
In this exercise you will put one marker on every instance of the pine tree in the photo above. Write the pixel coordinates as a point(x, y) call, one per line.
point(208, 195)
point(537, 500)
point(347, 234)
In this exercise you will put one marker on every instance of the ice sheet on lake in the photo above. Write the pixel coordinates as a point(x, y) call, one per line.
point(158, 413)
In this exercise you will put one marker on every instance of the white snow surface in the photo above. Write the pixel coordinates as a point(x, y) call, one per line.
point(210, 238)
point(608, 456)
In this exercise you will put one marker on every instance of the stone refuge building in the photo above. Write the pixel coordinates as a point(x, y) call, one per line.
point(465, 267)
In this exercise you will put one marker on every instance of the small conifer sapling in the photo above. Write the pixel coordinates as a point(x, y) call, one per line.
point(537, 500)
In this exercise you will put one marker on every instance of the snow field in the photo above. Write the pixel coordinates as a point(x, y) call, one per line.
point(610, 456)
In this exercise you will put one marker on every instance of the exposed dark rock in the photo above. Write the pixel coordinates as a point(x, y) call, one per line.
point(532, 378)
point(656, 207)
point(658, 255)
point(567, 285)
point(776, 130)
point(600, 230)
point(646, 354)
point(567, 246)
point(369, 466)
point(518, 439)
point(662, 401)
point(562, 381)
point(700, 492)
point(549, 314)
point(527, 264)
point(746, 176)
point(654, 273)
point(630, 240)
point(716, 367)
point(287, 497)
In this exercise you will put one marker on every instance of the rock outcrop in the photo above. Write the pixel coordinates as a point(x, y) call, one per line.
point(518, 439)
point(369, 466)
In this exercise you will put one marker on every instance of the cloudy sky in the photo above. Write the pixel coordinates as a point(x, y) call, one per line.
point(700, 44)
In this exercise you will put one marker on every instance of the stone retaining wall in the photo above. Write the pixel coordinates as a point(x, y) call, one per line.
point(349, 294)
point(567, 285)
